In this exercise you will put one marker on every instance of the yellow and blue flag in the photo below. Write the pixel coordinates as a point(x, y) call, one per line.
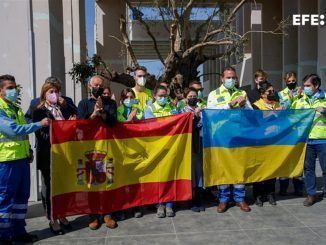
point(245, 146)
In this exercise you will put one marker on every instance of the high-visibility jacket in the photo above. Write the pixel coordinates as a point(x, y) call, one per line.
point(222, 96)
point(145, 98)
point(13, 147)
point(123, 112)
point(318, 130)
point(285, 98)
point(161, 111)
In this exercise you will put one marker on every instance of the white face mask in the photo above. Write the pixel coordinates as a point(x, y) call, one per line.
point(141, 81)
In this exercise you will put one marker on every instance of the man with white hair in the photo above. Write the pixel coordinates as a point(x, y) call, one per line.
point(93, 107)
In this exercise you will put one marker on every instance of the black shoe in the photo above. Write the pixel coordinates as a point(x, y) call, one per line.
point(298, 193)
point(259, 201)
point(66, 226)
point(26, 238)
point(5, 242)
point(271, 199)
point(56, 232)
point(283, 193)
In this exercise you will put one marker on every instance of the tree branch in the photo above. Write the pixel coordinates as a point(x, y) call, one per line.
point(162, 16)
point(123, 29)
point(149, 33)
point(227, 22)
point(206, 44)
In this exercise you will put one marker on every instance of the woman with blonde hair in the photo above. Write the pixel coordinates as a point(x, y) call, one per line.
point(49, 107)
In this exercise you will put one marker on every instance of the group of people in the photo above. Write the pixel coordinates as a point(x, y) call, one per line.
point(135, 104)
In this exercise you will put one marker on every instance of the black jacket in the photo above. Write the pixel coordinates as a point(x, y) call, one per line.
point(86, 108)
point(70, 106)
point(43, 145)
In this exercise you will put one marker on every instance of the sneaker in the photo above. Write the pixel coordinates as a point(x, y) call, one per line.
point(271, 199)
point(160, 212)
point(170, 212)
point(138, 212)
point(202, 208)
point(259, 201)
point(195, 209)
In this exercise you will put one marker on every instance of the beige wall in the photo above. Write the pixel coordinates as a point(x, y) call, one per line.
point(35, 44)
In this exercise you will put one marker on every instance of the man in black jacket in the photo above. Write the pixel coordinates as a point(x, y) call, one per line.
point(254, 94)
point(92, 107)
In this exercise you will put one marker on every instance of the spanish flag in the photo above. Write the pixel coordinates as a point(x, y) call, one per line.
point(244, 146)
point(100, 169)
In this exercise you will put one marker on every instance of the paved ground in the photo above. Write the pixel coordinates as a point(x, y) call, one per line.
point(287, 223)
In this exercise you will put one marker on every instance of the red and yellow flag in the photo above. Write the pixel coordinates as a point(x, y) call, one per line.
point(97, 169)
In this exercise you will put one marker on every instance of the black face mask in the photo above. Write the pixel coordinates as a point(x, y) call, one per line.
point(272, 97)
point(291, 86)
point(97, 91)
point(105, 99)
point(261, 83)
point(192, 101)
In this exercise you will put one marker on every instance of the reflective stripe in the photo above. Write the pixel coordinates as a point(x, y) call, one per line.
point(4, 215)
point(12, 216)
point(223, 187)
point(13, 139)
point(5, 225)
point(239, 186)
point(19, 206)
point(18, 216)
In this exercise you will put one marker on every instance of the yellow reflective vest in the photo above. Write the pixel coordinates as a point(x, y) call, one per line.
point(222, 96)
point(13, 147)
point(160, 111)
point(318, 130)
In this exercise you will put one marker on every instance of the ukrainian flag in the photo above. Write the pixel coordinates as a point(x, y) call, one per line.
point(245, 146)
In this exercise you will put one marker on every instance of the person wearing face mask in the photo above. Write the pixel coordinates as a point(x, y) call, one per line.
point(192, 100)
point(196, 84)
point(49, 107)
point(227, 96)
point(313, 96)
point(265, 189)
point(286, 95)
point(64, 101)
point(15, 156)
point(160, 108)
point(96, 107)
point(128, 109)
point(143, 94)
point(260, 78)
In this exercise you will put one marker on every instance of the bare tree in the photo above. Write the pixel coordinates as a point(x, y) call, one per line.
point(190, 42)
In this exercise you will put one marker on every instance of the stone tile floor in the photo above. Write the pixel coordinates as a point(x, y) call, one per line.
point(287, 223)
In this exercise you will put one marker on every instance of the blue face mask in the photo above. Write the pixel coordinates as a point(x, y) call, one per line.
point(229, 83)
point(308, 91)
point(11, 95)
point(162, 101)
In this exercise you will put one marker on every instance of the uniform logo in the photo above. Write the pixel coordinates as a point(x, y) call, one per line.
point(98, 168)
